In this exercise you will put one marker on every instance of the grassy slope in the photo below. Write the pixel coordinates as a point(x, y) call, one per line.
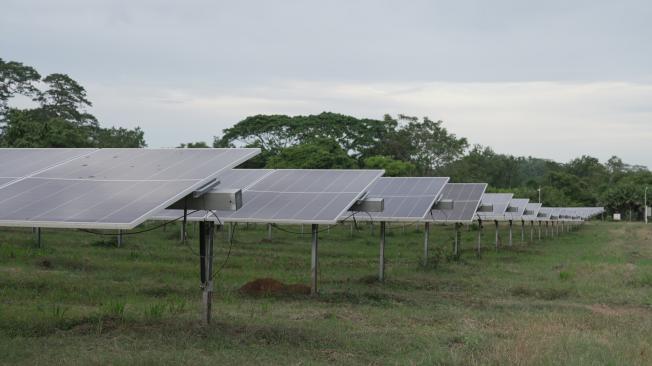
point(583, 299)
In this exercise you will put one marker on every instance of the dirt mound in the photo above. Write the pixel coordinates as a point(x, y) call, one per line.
point(270, 286)
point(44, 263)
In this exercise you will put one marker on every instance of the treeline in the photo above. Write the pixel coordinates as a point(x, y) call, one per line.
point(409, 146)
point(58, 118)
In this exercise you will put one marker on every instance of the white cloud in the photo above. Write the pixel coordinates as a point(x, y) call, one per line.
point(557, 120)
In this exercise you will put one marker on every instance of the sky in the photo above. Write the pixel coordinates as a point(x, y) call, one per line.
point(551, 79)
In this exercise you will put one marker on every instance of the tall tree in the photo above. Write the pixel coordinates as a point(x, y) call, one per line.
point(431, 145)
point(16, 79)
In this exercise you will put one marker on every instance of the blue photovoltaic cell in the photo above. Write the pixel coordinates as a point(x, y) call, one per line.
point(302, 196)
point(405, 198)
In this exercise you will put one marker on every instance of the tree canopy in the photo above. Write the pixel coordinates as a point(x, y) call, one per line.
point(60, 118)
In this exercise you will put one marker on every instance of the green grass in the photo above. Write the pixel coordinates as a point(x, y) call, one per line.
point(585, 298)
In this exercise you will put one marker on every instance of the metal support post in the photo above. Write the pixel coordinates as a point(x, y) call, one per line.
point(206, 234)
point(531, 231)
point(381, 268)
point(314, 259)
point(522, 231)
point(38, 237)
point(480, 228)
point(426, 239)
point(539, 230)
point(456, 250)
point(510, 232)
point(497, 234)
point(120, 238)
point(269, 232)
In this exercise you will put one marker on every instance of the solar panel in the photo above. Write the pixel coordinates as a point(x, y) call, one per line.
point(405, 198)
point(112, 188)
point(19, 163)
point(500, 202)
point(302, 196)
point(554, 213)
point(519, 204)
point(230, 179)
point(466, 198)
point(534, 208)
point(544, 213)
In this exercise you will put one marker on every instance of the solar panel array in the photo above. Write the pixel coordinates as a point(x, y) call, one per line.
point(500, 202)
point(519, 204)
point(466, 198)
point(105, 188)
point(121, 188)
point(405, 199)
point(544, 213)
point(302, 196)
point(534, 208)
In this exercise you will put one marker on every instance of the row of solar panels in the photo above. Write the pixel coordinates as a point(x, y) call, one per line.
point(121, 188)
point(279, 196)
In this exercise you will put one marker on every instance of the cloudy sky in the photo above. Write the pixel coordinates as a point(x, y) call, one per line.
point(552, 79)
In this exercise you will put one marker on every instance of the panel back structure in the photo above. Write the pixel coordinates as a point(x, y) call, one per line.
point(519, 204)
point(406, 199)
point(500, 202)
point(230, 179)
point(534, 209)
point(301, 196)
point(544, 214)
point(111, 188)
point(466, 199)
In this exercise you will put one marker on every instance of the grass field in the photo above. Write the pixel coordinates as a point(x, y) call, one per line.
point(582, 299)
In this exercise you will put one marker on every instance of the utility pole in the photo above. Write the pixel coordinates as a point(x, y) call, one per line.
point(539, 190)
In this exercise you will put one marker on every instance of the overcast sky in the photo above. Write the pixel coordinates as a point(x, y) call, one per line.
point(552, 79)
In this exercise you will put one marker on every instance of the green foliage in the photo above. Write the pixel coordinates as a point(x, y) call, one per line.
point(193, 145)
point(155, 311)
point(16, 79)
point(430, 146)
point(322, 154)
point(393, 167)
point(115, 309)
point(60, 120)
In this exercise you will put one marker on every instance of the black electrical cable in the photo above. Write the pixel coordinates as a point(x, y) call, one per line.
point(228, 254)
point(137, 232)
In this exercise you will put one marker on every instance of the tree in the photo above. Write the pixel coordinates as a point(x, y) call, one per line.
point(431, 146)
point(623, 197)
point(65, 98)
point(321, 154)
point(120, 137)
point(360, 138)
point(16, 78)
point(393, 167)
point(193, 145)
point(60, 120)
